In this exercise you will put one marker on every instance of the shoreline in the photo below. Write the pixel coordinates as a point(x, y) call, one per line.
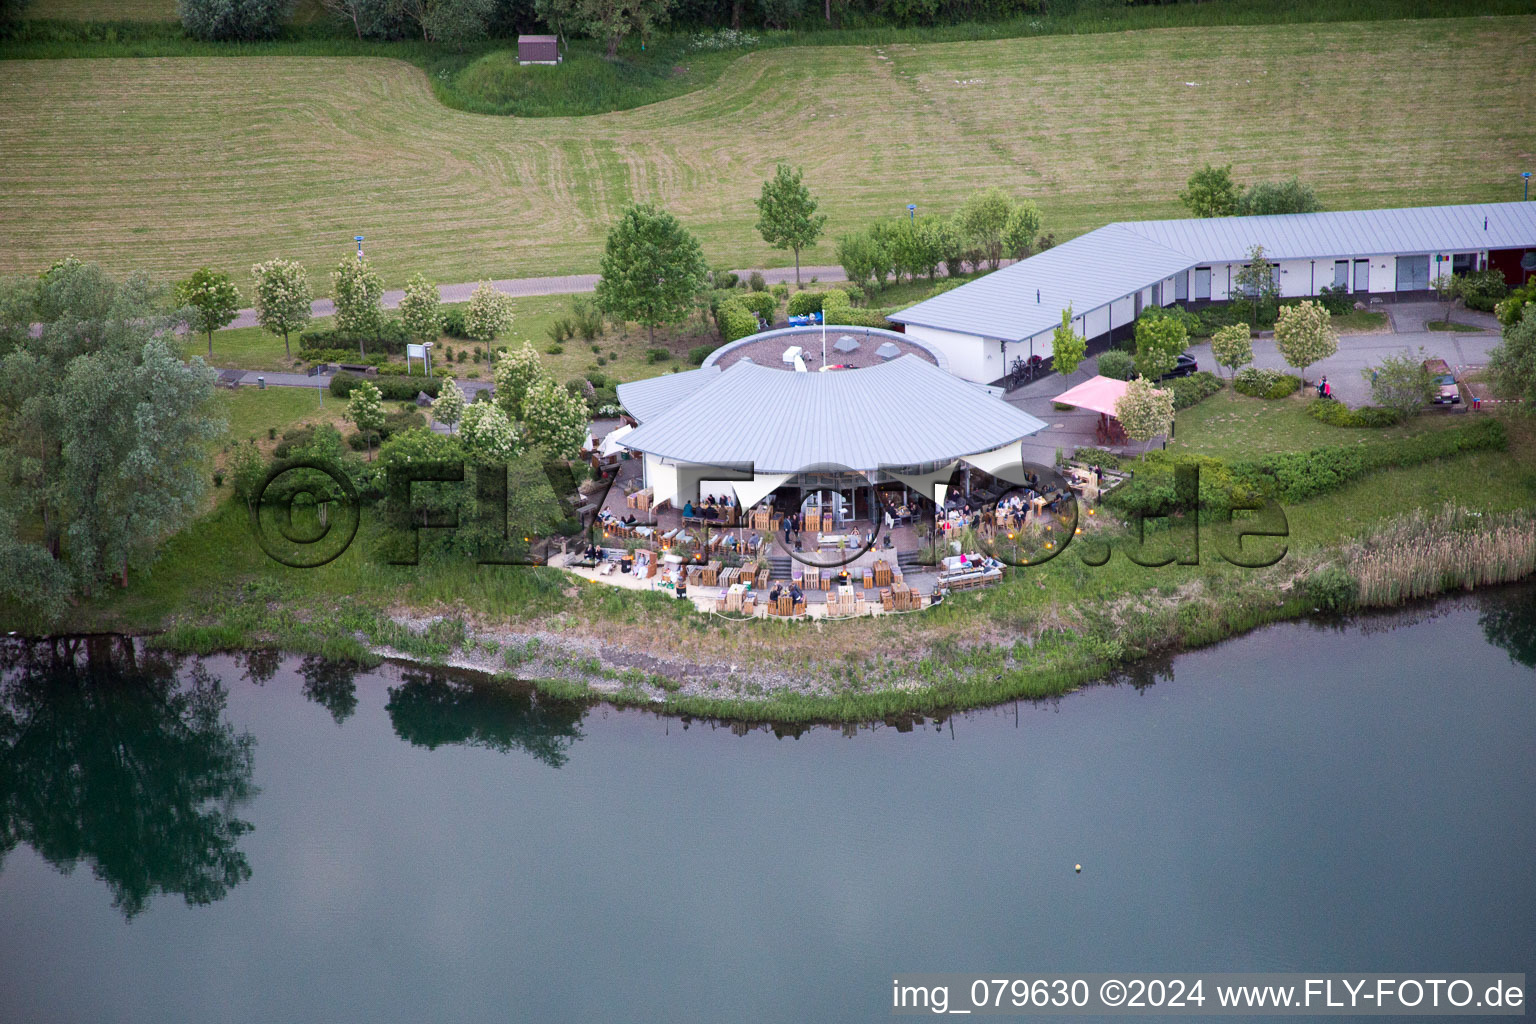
point(558, 666)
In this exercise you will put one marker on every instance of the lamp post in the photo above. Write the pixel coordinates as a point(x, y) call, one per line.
point(1526, 179)
point(359, 240)
point(912, 209)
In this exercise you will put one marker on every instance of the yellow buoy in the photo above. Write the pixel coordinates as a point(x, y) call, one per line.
point(1079, 869)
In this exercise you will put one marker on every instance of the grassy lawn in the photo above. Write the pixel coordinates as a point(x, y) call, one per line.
point(293, 156)
point(1359, 321)
point(251, 412)
point(1233, 426)
point(1452, 325)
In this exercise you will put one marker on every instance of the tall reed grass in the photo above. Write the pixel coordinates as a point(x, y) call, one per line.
point(1421, 554)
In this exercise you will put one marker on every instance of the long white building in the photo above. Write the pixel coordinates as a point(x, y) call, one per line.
point(1108, 276)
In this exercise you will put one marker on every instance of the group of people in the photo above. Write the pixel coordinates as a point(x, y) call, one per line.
point(712, 507)
point(1324, 389)
point(793, 590)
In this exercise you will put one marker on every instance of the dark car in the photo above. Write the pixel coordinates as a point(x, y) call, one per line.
point(1183, 368)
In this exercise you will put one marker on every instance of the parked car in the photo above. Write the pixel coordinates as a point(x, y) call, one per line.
point(1183, 368)
point(1446, 391)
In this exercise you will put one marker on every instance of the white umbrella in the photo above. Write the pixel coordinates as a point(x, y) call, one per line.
point(611, 444)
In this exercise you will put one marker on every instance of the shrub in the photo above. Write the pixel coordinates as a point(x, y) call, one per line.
point(1257, 383)
point(697, 355)
point(657, 355)
point(779, 291)
point(391, 336)
point(1337, 301)
point(554, 350)
point(756, 282)
point(453, 322)
point(1482, 289)
point(237, 20)
point(586, 319)
point(1191, 323)
point(1194, 389)
point(761, 303)
point(1117, 364)
point(1338, 414)
point(1513, 308)
point(802, 303)
point(724, 278)
point(734, 320)
point(1331, 588)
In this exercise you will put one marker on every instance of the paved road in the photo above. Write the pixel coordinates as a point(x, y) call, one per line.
point(1358, 351)
point(522, 286)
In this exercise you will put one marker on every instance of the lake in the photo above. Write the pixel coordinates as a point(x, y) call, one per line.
point(279, 839)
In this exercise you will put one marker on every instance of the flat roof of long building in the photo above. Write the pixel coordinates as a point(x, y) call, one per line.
point(1114, 261)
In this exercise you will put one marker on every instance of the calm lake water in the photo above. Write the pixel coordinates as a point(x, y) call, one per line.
point(276, 840)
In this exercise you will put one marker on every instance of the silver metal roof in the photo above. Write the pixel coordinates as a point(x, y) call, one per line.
point(1116, 260)
point(902, 413)
point(649, 398)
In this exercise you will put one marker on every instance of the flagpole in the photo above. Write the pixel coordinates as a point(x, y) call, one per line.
point(823, 335)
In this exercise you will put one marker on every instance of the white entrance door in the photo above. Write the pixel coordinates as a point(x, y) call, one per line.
point(1202, 283)
point(1362, 275)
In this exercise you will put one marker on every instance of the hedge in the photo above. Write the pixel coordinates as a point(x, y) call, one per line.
point(735, 320)
point(802, 303)
point(390, 337)
point(1194, 389)
point(761, 303)
point(1340, 415)
point(1290, 477)
point(1258, 383)
point(391, 389)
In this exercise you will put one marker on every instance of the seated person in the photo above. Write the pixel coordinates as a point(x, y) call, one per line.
point(795, 594)
point(687, 510)
point(773, 595)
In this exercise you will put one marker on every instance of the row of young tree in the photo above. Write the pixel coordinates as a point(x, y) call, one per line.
point(284, 303)
point(989, 227)
point(1212, 192)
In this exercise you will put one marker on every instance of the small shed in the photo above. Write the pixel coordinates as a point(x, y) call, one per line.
point(538, 49)
point(847, 343)
point(889, 350)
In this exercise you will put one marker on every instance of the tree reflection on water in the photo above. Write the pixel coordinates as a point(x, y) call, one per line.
point(1509, 621)
point(433, 709)
point(110, 756)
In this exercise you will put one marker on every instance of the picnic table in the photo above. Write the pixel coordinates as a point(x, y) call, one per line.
point(733, 596)
point(812, 578)
point(882, 573)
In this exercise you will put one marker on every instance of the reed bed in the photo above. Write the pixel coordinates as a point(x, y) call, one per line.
point(1421, 554)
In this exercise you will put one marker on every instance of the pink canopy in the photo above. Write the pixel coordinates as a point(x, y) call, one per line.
point(1098, 394)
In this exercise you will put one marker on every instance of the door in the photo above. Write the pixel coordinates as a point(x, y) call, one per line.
point(1412, 273)
point(1202, 283)
point(1341, 274)
point(1136, 311)
point(1463, 262)
point(1157, 294)
point(1362, 275)
point(1181, 287)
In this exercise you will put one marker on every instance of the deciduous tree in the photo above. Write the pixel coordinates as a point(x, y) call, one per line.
point(1512, 363)
point(652, 268)
point(1211, 192)
point(212, 301)
point(516, 371)
point(787, 217)
point(235, 20)
point(1232, 346)
point(554, 419)
point(1401, 382)
point(1304, 334)
point(1159, 341)
point(448, 409)
point(489, 313)
point(359, 298)
point(421, 310)
point(282, 298)
point(1271, 197)
point(1022, 227)
point(1144, 411)
point(1255, 280)
point(365, 408)
point(489, 436)
point(1067, 346)
point(983, 221)
point(1448, 289)
point(607, 20)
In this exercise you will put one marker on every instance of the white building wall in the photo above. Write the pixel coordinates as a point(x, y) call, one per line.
point(1383, 274)
point(1042, 345)
point(1121, 312)
point(1095, 322)
point(966, 352)
point(1300, 278)
point(1168, 292)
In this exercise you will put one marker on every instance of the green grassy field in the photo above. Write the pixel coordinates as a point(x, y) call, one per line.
point(166, 164)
